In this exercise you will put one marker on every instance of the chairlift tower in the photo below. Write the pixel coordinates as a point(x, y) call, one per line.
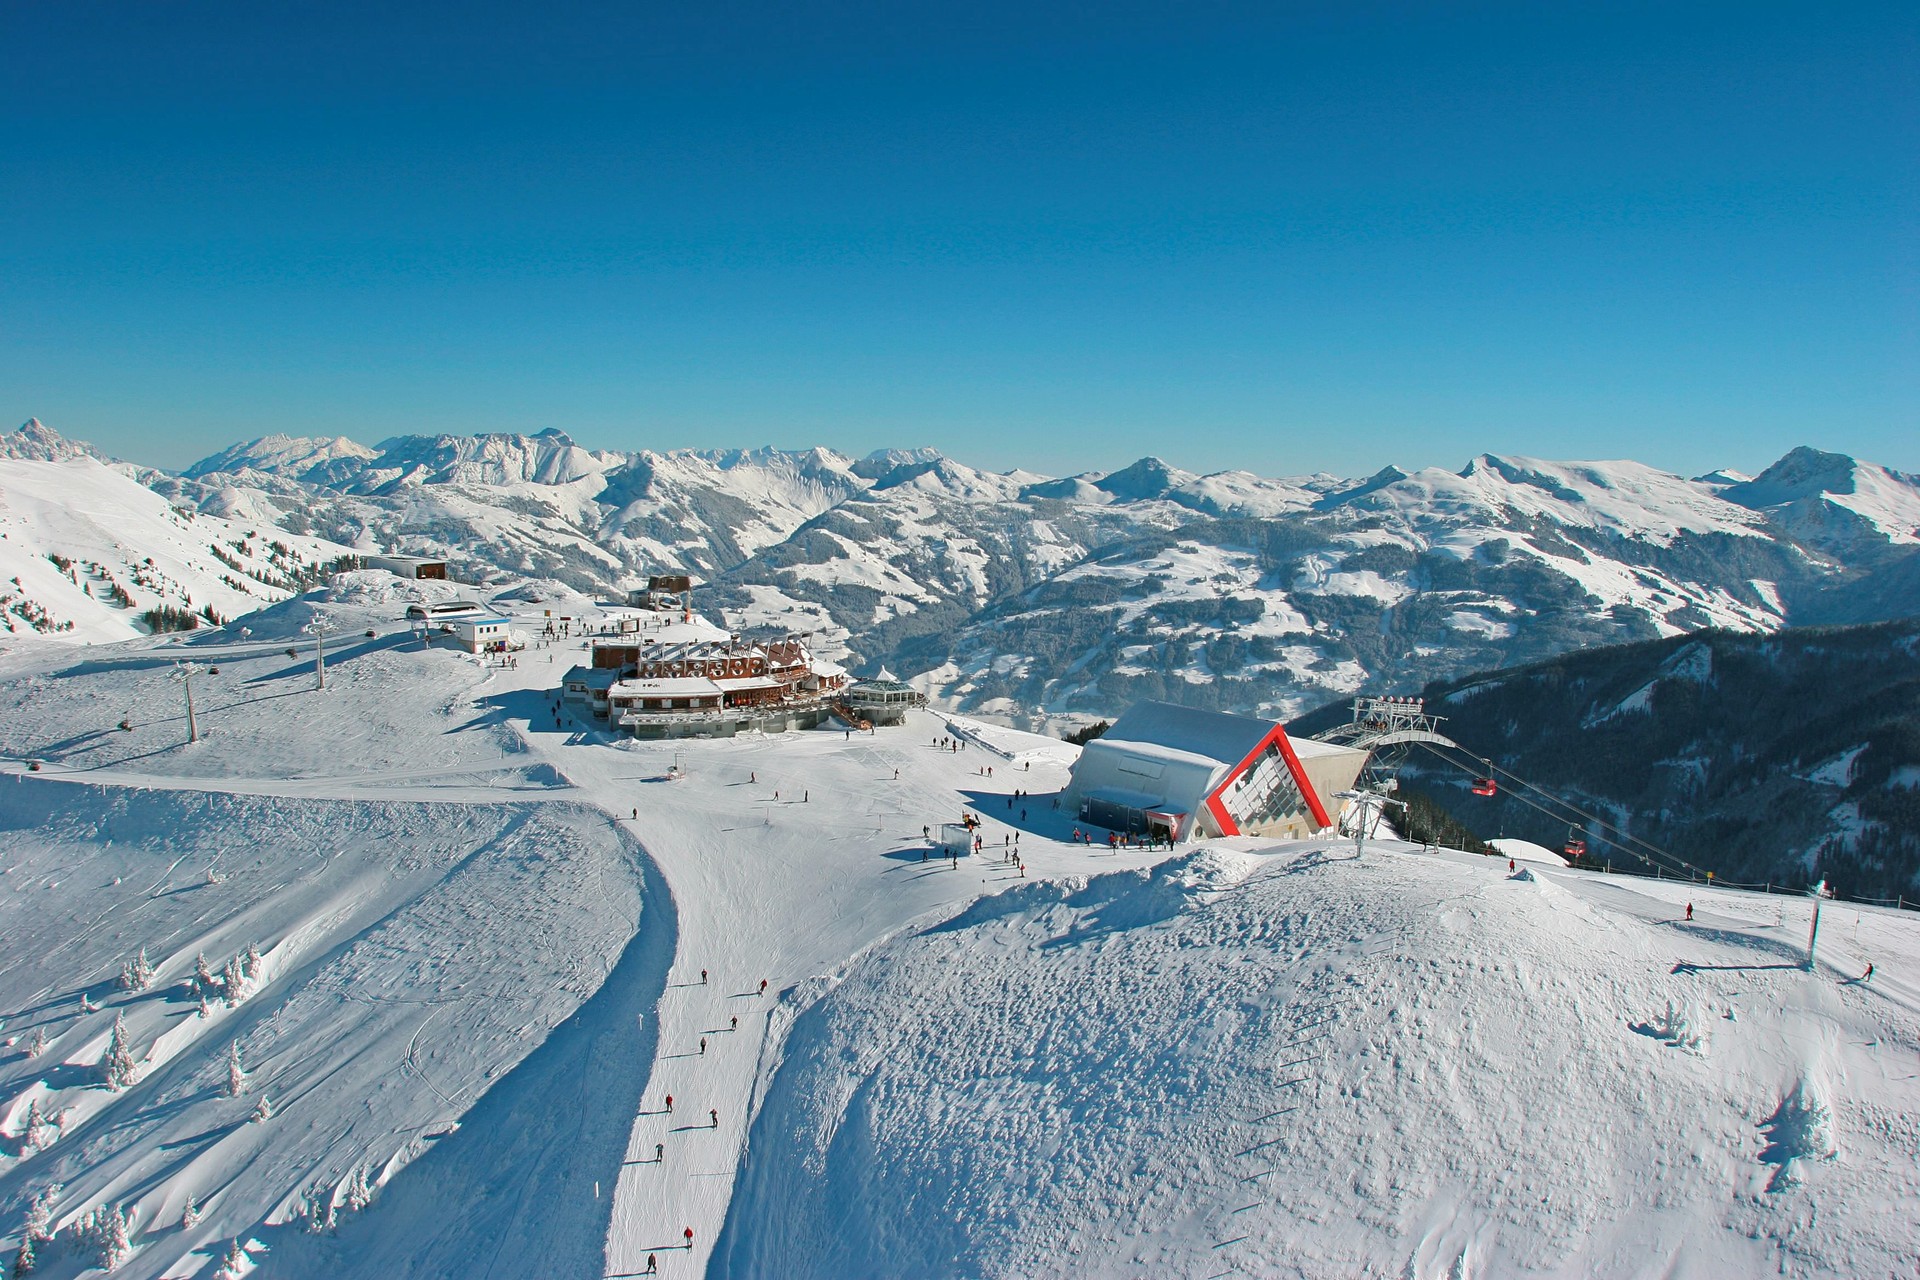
point(185, 672)
point(318, 631)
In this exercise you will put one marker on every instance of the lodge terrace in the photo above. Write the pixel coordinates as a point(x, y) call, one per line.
point(688, 678)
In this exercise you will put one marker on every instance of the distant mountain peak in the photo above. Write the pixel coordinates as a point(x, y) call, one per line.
point(35, 441)
point(1150, 477)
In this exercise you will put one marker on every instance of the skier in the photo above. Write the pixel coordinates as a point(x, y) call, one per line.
point(733, 1023)
point(1868, 975)
point(653, 1265)
point(763, 986)
point(688, 1233)
point(1509, 864)
point(703, 977)
point(636, 814)
point(659, 1152)
point(703, 1044)
point(669, 1104)
point(1689, 911)
point(714, 1115)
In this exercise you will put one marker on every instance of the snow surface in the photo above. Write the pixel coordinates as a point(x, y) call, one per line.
point(483, 925)
point(115, 531)
point(1284, 1061)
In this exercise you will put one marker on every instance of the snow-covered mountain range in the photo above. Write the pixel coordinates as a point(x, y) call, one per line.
point(1033, 597)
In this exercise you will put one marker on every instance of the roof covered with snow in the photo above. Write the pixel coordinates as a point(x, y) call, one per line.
point(671, 687)
point(1214, 735)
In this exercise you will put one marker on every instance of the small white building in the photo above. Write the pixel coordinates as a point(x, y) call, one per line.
point(483, 634)
point(1183, 772)
point(589, 686)
point(408, 566)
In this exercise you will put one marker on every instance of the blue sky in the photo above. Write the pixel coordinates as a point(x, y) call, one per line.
point(1280, 237)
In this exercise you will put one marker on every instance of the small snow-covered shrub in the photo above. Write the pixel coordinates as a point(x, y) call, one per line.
point(1801, 1128)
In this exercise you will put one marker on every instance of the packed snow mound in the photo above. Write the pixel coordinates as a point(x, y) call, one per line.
point(1527, 851)
point(1307, 1064)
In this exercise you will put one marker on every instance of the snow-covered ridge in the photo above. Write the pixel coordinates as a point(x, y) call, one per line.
point(1292, 1062)
point(87, 551)
point(1020, 595)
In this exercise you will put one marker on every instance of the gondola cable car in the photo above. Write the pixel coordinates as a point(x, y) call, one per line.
point(1486, 786)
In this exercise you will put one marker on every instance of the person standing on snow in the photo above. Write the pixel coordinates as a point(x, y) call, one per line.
point(1689, 911)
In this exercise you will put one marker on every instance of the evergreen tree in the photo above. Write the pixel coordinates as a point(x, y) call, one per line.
point(39, 1225)
point(189, 1213)
point(118, 1068)
point(236, 1074)
point(203, 982)
point(24, 1262)
point(262, 1110)
point(234, 1265)
point(38, 1044)
point(250, 962)
point(359, 1190)
point(136, 974)
point(233, 982)
point(206, 1010)
point(106, 1232)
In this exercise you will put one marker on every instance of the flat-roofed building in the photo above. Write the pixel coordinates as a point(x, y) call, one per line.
point(1183, 772)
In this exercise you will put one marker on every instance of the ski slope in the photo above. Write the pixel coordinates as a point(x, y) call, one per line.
point(74, 530)
point(483, 924)
point(1284, 1060)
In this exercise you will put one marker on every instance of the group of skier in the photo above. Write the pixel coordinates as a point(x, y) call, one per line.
point(713, 1122)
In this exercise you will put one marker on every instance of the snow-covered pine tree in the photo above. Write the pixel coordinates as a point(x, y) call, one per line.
point(37, 1129)
point(203, 983)
point(233, 982)
point(136, 974)
point(236, 1074)
point(39, 1230)
point(234, 1265)
point(87, 1005)
point(205, 1010)
point(37, 1045)
point(117, 1068)
point(105, 1231)
point(189, 1213)
point(359, 1189)
point(24, 1261)
point(318, 1211)
point(250, 962)
point(262, 1110)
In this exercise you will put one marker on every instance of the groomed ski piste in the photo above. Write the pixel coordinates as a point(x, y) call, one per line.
point(477, 941)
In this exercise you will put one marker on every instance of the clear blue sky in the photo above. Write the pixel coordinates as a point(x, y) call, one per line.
point(1279, 237)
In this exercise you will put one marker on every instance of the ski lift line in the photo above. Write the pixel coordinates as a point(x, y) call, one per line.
point(1652, 854)
point(1648, 852)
